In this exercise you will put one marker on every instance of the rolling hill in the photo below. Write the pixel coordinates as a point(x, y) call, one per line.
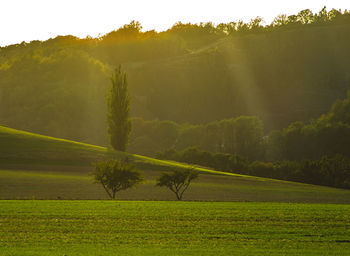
point(42, 167)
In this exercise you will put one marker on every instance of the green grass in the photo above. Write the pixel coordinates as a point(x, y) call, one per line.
point(41, 167)
point(19, 147)
point(172, 228)
point(26, 149)
point(43, 184)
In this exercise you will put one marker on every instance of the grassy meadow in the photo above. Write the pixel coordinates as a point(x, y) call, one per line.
point(172, 228)
point(40, 167)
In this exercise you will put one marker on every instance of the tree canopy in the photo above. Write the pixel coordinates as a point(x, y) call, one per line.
point(177, 181)
point(115, 175)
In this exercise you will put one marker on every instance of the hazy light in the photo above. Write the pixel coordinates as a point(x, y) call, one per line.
point(24, 20)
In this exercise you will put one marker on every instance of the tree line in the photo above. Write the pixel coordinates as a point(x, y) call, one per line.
point(243, 135)
point(331, 171)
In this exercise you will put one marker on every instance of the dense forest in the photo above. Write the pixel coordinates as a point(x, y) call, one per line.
point(261, 92)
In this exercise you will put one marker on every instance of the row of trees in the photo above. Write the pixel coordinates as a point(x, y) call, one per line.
point(304, 17)
point(328, 171)
point(242, 135)
point(218, 161)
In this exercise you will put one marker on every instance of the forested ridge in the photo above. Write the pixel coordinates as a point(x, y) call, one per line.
point(291, 70)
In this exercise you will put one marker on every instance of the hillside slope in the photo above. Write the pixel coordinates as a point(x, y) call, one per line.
point(36, 166)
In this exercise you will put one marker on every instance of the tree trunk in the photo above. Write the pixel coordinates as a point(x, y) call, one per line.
point(178, 196)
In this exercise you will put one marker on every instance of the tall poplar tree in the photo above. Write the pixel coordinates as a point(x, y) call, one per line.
point(118, 117)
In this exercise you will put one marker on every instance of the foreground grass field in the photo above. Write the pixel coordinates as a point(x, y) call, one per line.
point(40, 167)
point(172, 228)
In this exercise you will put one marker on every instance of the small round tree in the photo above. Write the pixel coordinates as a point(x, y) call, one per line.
point(116, 175)
point(178, 181)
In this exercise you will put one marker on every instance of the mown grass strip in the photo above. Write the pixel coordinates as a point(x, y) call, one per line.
point(174, 228)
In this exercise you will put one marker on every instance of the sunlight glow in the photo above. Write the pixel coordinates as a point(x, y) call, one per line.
point(23, 20)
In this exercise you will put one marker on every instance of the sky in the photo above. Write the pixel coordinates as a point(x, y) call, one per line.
point(27, 20)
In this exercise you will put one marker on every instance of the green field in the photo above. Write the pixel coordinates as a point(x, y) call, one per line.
point(40, 167)
point(172, 228)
